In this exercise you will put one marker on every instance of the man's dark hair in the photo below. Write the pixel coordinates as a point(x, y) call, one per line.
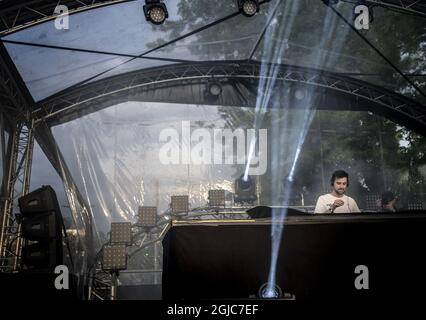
point(387, 197)
point(337, 175)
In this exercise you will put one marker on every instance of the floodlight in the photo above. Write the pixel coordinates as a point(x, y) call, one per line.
point(270, 292)
point(216, 198)
point(121, 233)
point(114, 257)
point(274, 292)
point(147, 216)
point(215, 88)
point(372, 202)
point(245, 190)
point(155, 11)
point(212, 91)
point(300, 94)
point(415, 206)
point(248, 7)
point(180, 204)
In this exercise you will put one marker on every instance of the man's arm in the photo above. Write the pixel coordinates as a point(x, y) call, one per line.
point(354, 206)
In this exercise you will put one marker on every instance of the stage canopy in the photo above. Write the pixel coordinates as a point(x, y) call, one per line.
point(112, 97)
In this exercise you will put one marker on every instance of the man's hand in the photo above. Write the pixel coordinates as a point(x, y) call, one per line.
point(337, 203)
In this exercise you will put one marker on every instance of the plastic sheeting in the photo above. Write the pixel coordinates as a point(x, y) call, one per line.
point(140, 154)
point(115, 153)
point(307, 29)
point(115, 158)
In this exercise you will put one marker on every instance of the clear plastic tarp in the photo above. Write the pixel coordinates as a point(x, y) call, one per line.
point(298, 32)
point(135, 153)
point(140, 154)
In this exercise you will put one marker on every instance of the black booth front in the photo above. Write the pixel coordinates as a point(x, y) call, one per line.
point(318, 257)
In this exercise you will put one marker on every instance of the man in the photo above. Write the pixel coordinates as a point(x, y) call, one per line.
point(337, 201)
point(388, 202)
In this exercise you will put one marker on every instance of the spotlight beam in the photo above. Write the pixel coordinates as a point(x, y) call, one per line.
point(260, 37)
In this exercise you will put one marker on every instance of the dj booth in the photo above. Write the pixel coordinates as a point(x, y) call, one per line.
point(317, 257)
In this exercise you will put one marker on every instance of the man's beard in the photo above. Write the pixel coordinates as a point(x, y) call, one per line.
point(341, 191)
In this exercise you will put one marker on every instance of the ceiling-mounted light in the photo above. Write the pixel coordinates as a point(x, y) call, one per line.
point(155, 11)
point(212, 90)
point(300, 94)
point(248, 7)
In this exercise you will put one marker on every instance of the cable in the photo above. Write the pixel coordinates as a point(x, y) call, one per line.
point(274, 11)
point(48, 46)
point(68, 245)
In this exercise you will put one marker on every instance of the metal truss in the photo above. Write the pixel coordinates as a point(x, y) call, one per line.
point(116, 89)
point(103, 284)
point(18, 182)
point(13, 102)
point(16, 15)
point(14, 107)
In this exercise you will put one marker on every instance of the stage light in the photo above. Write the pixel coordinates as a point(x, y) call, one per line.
point(114, 257)
point(265, 292)
point(155, 11)
point(274, 293)
point(245, 190)
point(212, 91)
point(215, 88)
point(216, 198)
point(180, 204)
point(248, 7)
point(121, 233)
point(147, 216)
point(372, 202)
point(415, 206)
point(300, 94)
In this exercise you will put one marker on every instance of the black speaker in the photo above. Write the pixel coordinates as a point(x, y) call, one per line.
point(41, 229)
point(41, 226)
point(38, 201)
point(45, 254)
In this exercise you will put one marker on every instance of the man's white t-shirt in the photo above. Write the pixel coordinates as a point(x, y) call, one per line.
point(325, 203)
